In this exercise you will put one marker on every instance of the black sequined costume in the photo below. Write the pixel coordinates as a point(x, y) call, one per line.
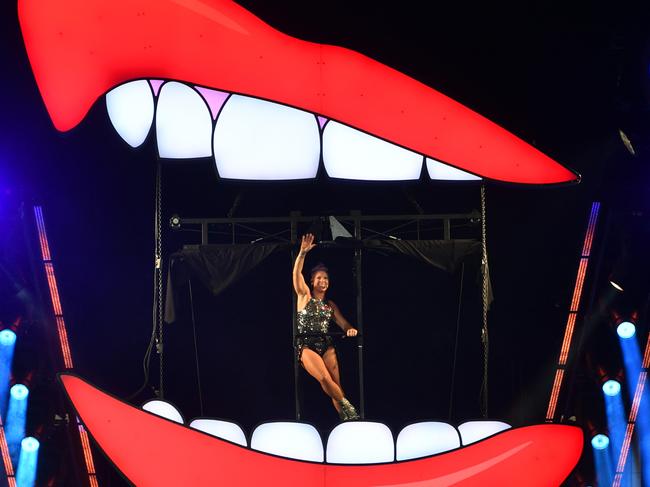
point(314, 319)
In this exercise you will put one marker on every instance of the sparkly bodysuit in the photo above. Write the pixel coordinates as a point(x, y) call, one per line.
point(314, 319)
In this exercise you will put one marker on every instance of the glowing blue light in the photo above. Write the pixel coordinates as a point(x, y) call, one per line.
point(15, 420)
point(7, 338)
point(626, 329)
point(30, 444)
point(612, 387)
point(600, 442)
point(19, 392)
point(7, 345)
point(28, 462)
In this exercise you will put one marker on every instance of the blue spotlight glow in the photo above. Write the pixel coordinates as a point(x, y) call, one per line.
point(633, 361)
point(7, 345)
point(600, 442)
point(7, 338)
point(626, 329)
point(603, 459)
point(19, 392)
point(612, 387)
point(16, 418)
point(30, 444)
point(28, 462)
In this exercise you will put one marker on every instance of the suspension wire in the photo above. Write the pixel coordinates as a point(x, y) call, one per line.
point(453, 367)
point(196, 349)
point(158, 311)
point(485, 271)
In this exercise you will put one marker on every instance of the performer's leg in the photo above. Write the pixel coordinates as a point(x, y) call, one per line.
point(315, 366)
point(332, 364)
point(345, 409)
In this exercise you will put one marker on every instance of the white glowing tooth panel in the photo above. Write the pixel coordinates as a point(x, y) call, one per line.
point(260, 140)
point(473, 431)
point(442, 172)
point(360, 442)
point(293, 440)
point(130, 109)
point(426, 438)
point(163, 409)
point(351, 154)
point(221, 429)
point(183, 123)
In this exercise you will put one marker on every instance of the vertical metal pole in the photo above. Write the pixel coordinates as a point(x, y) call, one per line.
point(447, 228)
point(204, 233)
point(294, 322)
point(357, 276)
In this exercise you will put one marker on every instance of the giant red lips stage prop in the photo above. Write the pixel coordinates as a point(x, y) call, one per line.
point(81, 49)
point(153, 451)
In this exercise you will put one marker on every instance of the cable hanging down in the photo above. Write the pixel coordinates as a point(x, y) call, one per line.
point(156, 312)
point(485, 273)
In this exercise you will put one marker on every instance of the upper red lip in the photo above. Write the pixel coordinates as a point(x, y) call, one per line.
point(150, 450)
point(80, 49)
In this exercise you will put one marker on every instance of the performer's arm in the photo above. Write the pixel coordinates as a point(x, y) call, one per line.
point(299, 284)
point(341, 321)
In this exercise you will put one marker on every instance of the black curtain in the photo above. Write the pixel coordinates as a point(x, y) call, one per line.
point(218, 266)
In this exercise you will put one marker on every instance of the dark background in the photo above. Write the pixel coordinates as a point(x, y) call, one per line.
point(564, 76)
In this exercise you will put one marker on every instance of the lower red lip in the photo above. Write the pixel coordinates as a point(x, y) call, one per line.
point(150, 450)
point(80, 49)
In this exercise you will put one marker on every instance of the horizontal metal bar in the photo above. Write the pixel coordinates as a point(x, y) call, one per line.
point(306, 219)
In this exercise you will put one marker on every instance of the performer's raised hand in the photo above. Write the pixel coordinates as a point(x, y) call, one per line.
point(307, 243)
point(351, 332)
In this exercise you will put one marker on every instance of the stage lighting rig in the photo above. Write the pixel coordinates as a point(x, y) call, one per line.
point(175, 222)
point(600, 441)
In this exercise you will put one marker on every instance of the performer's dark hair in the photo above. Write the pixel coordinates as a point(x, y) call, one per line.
point(320, 267)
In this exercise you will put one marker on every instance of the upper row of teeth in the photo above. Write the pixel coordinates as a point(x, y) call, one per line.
point(355, 442)
point(251, 138)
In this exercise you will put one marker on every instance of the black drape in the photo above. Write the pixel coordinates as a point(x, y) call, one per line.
point(218, 266)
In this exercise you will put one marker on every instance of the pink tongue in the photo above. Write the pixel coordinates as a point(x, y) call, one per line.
point(214, 98)
point(321, 121)
point(155, 85)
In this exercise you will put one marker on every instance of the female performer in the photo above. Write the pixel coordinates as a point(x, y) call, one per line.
point(316, 352)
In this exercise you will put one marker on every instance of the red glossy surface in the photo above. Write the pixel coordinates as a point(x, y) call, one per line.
point(152, 451)
point(80, 49)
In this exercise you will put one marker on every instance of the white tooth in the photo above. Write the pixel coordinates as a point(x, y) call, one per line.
point(221, 429)
point(293, 440)
point(130, 109)
point(443, 172)
point(183, 123)
point(426, 438)
point(257, 139)
point(473, 431)
point(351, 154)
point(360, 442)
point(164, 409)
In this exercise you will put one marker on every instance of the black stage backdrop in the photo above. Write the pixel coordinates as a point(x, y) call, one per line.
point(242, 303)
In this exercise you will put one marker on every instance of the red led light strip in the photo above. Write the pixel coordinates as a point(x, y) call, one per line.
point(63, 343)
point(559, 376)
point(42, 237)
point(573, 311)
point(580, 280)
point(63, 339)
point(622, 459)
point(568, 333)
point(6, 459)
point(634, 411)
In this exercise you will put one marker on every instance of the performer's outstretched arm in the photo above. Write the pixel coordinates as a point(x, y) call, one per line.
point(341, 321)
point(299, 284)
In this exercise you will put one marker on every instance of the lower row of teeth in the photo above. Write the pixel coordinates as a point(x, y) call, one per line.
point(355, 442)
point(255, 139)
